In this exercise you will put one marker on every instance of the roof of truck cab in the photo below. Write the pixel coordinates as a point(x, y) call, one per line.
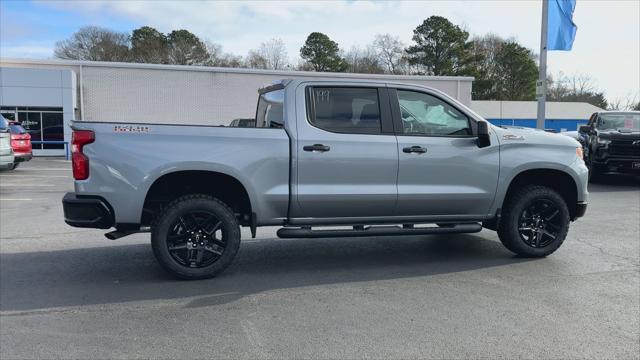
point(280, 84)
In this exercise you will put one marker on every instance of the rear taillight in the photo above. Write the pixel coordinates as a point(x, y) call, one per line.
point(80, 161)
point(20, 137)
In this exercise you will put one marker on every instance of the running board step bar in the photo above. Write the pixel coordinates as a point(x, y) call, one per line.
point(307, 232)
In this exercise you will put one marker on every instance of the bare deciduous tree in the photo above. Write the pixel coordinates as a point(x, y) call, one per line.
point(274, 53)
point(94, 44)
point(221, 59)
point(390, 52)
point(255, 60)
point(363, 60)
point(577, 87)
point(628, 103)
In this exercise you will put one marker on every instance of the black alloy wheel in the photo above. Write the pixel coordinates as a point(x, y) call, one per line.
point(535, 221)
point(196, 239)
point(540, 223)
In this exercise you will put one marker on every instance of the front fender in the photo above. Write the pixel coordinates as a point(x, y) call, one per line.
point(516, 158)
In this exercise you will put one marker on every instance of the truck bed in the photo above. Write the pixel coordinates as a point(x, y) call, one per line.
point(126, 159)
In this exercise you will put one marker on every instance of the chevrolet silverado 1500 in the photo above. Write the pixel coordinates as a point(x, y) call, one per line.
point(326, 158)
point(612, 142)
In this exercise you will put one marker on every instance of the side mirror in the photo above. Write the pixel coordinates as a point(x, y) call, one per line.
point(585, 129)
point(483, 134)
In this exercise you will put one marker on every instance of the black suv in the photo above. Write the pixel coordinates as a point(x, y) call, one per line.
point(612, 142)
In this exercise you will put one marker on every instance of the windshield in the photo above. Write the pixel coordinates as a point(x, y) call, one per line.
point(17, 129)
point(619, 121)
point(270, 109)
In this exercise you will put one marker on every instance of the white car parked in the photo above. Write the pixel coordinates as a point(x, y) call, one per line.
point(6, 152)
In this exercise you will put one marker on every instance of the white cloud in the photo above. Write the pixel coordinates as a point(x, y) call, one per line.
point(607, 45)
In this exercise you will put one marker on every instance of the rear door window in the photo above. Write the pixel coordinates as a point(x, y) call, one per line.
point(351, 110)
point(270, 113)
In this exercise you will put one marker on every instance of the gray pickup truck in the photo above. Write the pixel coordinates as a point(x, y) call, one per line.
point(326, 158)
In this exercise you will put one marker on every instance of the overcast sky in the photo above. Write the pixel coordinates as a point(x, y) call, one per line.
point(607, 45)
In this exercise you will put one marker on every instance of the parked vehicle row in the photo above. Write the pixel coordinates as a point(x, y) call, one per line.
point(19, 141)
point(376, 158)
point(6, 152)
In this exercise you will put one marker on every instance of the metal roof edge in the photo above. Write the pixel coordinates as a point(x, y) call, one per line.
point(284, 73)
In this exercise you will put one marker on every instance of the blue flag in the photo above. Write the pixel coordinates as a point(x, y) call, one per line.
point(561, 31)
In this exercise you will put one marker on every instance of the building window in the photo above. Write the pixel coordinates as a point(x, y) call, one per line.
point(52, 129)
point(42, 123)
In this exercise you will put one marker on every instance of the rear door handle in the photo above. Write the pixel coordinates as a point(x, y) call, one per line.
point(316, 148)
point(414, 150)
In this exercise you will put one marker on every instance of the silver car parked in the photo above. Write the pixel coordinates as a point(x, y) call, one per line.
point(6, 152)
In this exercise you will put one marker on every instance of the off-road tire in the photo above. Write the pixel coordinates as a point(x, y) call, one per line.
point(509, 223)
point(595, 174)
point(595, 171)
point(182, 205)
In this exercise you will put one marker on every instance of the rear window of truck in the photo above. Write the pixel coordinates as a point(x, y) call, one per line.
point(270, 112)
point(346, 110)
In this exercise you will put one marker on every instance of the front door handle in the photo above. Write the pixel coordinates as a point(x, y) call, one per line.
point(414, 150)
point(316, 148)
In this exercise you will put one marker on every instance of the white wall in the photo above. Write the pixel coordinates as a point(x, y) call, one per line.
point(528, 109)
point(41, 88)
point(188, 94)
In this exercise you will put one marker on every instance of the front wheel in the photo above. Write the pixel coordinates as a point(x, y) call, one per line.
point(535, 221)
point(195, 237)
point(594, 171)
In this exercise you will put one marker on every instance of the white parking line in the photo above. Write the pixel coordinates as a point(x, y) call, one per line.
point(16, 199)
point(14, 185)
point(42, 169)
point(38, 176)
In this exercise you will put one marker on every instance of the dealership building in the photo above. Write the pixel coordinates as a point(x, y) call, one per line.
point(45, 95)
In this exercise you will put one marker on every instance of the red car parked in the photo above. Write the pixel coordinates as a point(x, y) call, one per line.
point(20, 143)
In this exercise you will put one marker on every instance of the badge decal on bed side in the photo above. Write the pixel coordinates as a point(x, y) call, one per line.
point(131, 128)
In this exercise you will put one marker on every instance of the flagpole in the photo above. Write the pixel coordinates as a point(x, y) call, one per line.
point(541, 86)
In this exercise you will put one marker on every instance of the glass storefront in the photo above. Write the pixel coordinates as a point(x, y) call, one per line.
point(42, 123)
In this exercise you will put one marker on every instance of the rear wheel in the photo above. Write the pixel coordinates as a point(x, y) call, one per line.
point(14, 166)
point(535, 221)
point(196, 237)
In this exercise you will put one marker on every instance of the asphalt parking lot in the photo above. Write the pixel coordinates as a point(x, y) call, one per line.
point(67, 292)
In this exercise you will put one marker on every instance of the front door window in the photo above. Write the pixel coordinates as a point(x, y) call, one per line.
point(423, 114)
